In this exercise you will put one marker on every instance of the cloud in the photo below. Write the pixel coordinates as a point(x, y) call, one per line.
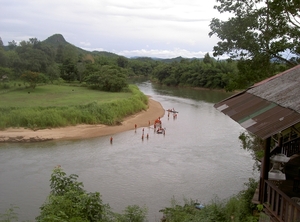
point(85, 44)
point(114, 25)
point(162, 53)
point(165, 54)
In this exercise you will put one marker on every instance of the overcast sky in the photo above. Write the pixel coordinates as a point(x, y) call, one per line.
point(152, 28)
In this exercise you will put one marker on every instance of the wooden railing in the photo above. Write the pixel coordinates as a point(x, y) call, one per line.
point(291, 147)
point(279, 205)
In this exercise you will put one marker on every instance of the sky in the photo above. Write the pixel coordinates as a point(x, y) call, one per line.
point(151, 28)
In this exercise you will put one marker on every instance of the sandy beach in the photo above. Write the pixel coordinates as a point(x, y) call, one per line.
point(141, 119)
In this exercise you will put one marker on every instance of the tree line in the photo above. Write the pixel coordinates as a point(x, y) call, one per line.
point(36, 62)
point(261, 38)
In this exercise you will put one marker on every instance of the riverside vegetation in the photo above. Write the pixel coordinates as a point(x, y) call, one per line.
point(49, 106)
point(68, 201)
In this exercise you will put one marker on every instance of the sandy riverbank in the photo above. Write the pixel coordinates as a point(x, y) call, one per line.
point(141, 119)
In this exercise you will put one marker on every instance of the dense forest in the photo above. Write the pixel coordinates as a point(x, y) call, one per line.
point(55, 60)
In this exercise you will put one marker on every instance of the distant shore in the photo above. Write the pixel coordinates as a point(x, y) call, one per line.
point(84, 131)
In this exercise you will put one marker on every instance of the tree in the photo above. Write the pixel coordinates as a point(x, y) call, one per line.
point(133, 213)
point(34, 41)
point(162, 71)
point(1, 43)
point(108, 78)
point(258, 28)
point(122, 62)
point(52, 72)
point(34, 56)
point(207, 59)
point(12, 45)
point(254, 144)
point(5, 74)
point(3, 57)
point(68, 201)
point(141, 67)
point(10, 214)
point(31, 77)
point(15, 63)
point(59, 57)
point(70, 53)
point(68, 70)
point(80, 70)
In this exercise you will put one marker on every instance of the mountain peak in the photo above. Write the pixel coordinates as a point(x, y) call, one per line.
point(56, 39)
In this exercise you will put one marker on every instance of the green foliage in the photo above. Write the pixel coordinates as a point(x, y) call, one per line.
point(106, 108)
point(259, 35)
point(53, 72)
point(237, 208)
point(122, 62)
point(10, 215)
point(68, 201)
point(178, 213)
point(141, 67)
point(108, 78)
point(246, 207)
point(57, 58)
point(68, 70)
point(132, 213)
point(260, 27)
point(254, 70)
point(254, 144)
point(33, 78)
point(5, 74)
point(196, 73)
point(260, 207)
point(33, 56)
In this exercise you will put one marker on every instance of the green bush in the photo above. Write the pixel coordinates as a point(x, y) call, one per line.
point(235, 209)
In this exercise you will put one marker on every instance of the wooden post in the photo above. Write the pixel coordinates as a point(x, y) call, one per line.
point(264, 170)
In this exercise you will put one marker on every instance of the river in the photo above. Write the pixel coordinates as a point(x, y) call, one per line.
point(198, 158)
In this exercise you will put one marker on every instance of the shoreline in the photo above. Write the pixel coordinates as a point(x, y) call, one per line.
point(84, 131)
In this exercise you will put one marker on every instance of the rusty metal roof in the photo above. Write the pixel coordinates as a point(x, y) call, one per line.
point(268, 107)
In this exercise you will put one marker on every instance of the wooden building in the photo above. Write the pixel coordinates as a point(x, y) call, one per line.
point(270, 109)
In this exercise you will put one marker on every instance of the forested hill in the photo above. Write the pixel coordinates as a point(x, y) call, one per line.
point(58, 40)
point(55, 59)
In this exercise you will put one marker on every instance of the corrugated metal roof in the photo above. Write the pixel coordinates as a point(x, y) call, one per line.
point(282, 89)
point(268, 107)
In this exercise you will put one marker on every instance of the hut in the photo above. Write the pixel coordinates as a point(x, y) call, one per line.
point(270, 109)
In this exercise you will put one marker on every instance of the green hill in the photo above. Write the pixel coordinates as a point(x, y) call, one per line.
point(57, 40)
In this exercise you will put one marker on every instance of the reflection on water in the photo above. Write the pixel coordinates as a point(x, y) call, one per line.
point(199, 158)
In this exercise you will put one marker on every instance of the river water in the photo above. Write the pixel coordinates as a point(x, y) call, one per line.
point(198, 158)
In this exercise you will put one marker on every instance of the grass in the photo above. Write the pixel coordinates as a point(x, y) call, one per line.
point(50, 106)
point(58, 96)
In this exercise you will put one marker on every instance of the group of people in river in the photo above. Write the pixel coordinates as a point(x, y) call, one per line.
point(172, 111)
point(157, 128)
point(157, 125)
